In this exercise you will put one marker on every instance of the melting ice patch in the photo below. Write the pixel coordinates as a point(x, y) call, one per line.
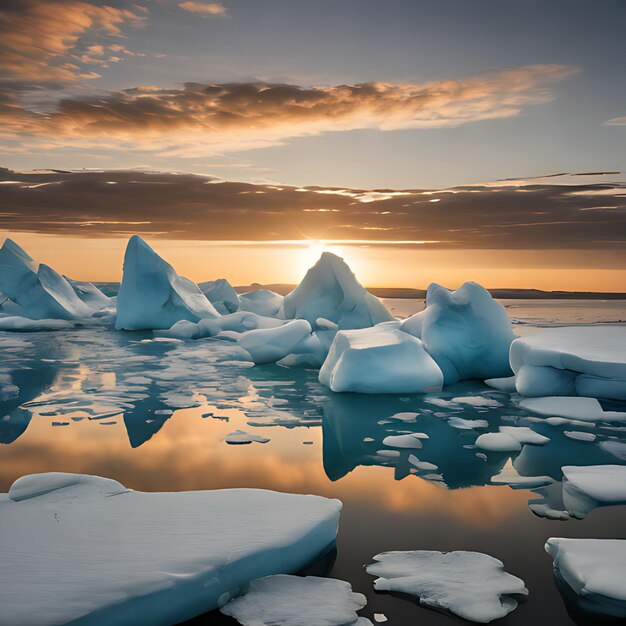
point(165, 556)
point(576, 408)
point(586, 488)
point(284, 600)
point(472, 585)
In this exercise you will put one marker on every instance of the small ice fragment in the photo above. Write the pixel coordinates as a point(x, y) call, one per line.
point(240, 437)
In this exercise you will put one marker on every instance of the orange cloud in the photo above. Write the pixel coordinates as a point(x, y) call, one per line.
point(37, 36)
point(204, 8)
point(201, 119)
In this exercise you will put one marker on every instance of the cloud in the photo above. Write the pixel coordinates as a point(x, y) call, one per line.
point(38, 37)
point(617, 121)
point(520, 215)
point(207, 118)
point(204, 8)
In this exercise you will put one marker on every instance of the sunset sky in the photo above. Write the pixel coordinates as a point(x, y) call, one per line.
point(423, 141)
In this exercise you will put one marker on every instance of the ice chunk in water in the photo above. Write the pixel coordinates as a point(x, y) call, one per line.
point(472, 585)
point(588, 361)
point(268, 345)
point(295, 600)
point(331, 291)
point(576, 408)
point(153, 296)
point(586, 488)
point(595, 570)
point(240, 437)
point(382, 359)
point(221, 295)
point(130, 557)
point(466, 331)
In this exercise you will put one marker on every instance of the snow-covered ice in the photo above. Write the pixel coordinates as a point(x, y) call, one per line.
point(331, 291)
point(78, 547)
point(587, 361)
point(472, 585)
point(409, 440)
point(284, 600)
point(588, 487)
point(38, 291)
point(153, 296)
point(262, 302)
point(595, 570)
point(268, 345)
point(574, 408)
point(498, 442)
point(381, 359)
point(466, 331)
point(221, 294)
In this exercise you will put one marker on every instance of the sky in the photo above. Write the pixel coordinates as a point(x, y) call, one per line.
point(422, 140)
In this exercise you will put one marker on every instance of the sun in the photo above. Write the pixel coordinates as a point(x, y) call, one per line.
point(312, 250)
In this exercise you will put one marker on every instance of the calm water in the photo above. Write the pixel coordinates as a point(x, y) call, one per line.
point(153, 415)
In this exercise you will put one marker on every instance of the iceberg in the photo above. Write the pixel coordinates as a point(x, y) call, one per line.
point(153, 296)
point(129, 557)
point(381, 359)
point(575, 408)
point(331, 291)
point(39, 291)
point(595, 572)
point(585, 361)
point(221, 294)
point(90, 294)
point(472, 585)
point(285, 600)
point(268, 345)
point(262, 302)
point(586, 488)
point(466, 331)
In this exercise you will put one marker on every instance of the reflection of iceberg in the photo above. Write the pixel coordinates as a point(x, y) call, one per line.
point(353, 435)
point(146, 418)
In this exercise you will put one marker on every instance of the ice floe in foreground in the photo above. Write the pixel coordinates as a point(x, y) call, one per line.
point(284, 600)
point(586, 488)
point(585, 361)
point(331, 291)
point(381, 359)
point(466, 331)
point(165, 557)
point(595, 571)
point(472, 585)
point(152, 295)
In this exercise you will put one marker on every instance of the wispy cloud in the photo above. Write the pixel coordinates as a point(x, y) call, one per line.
point(204, 8)
point(617, 121)
point(203, 119)
point(520, 215)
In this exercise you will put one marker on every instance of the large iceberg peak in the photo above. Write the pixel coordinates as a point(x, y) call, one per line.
point(330, 290)
point(153, 296)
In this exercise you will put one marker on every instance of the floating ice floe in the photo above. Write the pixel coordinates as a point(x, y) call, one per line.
point(466, 331)
point(595, 571)
point(588, 487)
point(381, 359)
point(240, 437)
point(410, 440)
point(153, 296)
point(574, 408)
point(585, 361)
point(284, 600)
point(498, 442)
point(331, 291)
point(509, 476)
point(37, 291)
point(262, 302)
point(472, 585)
point(524, 435)
point(129, 557)
point(221, 294)
point(15, 323)
point(239, 322)
point(268, 345)
point(479, 401)
point(502, 384)
point(464, 424)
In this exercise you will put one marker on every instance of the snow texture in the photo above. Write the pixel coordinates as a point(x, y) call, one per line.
point(153, 296)
point(466, 331)
point(165, 557)
point(284, 600)
point(472, 585)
